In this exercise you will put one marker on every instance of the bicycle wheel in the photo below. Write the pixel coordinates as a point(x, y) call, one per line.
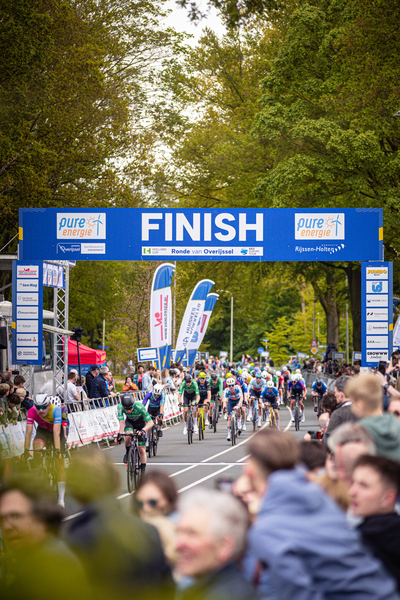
point(137, 469)
point(200, 425)
point(264, 414)
point(272, 419)
point(296, 418)
point(254, 418)
point(155, 441)
point(319, 409)
point(203, 426)
point(233, 430)
point(190, 428)
point(130, 470)
point(215, 417)
point(149, 447)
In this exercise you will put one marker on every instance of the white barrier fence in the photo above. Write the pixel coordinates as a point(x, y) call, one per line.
point(86, 424)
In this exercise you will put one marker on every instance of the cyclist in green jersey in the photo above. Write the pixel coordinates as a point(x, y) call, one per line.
point(133, 415)
point(188, 394)
point(217, 392)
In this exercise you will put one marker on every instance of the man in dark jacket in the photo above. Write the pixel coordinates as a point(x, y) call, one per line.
point(93, 373)
point(342, 413)
point(99, 387)
point(301, 536)
point(374, 491)
point(209, 544)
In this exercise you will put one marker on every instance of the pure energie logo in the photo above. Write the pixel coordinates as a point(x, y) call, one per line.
point(74, 226)
point(319, 226)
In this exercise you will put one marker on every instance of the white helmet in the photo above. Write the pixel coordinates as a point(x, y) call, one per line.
point(264, 374)
point(278, 373)
point(42, 400)
point(230, 381)
point(56, 400)
point(158, 389)
point(270, 384)
point(298, 370)
point(284, 369)
point(293, 377)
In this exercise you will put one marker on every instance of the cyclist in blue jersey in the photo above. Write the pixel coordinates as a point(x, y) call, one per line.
point(156, 402)
point(297, 388)
point(318, 389)
point(241, 382)
point(232, 397)
point(269, 397)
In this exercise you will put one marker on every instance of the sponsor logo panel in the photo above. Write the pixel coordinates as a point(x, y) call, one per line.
point(28, 286)
point(25, 339)
point(376, 300)
point(27, 353)
point(27, 272)
point(379, 341)
point(76, 226)
point(320, 226)
point(377, 273)
point(377, 314)
point(378, 328)
point(27, 299)
point(31, 326)
point(377, 355)
point(377, 287)
point(27, 313)
point(201, 251)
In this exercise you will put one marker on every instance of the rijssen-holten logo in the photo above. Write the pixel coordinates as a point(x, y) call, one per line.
point(77, 226)
point(319, 226)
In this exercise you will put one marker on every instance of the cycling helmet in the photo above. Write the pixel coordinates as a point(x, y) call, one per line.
point(270, 384)
point(158, 389)
point(284, 369)
point(230, 381)
point(42, 400)
point(188, 378)
point(298, 370)
point(293, 377)
point(264, 374)
point(252, 364)
point(278, 373)
point(234, 373)
point(214, 376)
point(240, 371)
point(257, 374)
point(318, 381)
point(228, 375)
point(202, 375)
point(127, 400)
point(240, 380)
point(56, 400)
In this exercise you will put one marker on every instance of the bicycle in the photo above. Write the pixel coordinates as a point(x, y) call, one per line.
point(235, 431)
point(272, 418)
point(254, 415)
point(285, 394)
point(133, 464)
point(296, 411)
point(152, 441)
point(190, 423)
point(48, 468)
point(319, 408)
point(215, 412)
point(201, 421)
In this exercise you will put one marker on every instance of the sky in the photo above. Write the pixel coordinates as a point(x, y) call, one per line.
point(180, 21)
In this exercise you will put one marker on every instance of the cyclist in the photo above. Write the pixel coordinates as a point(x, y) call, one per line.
point(217, 392)
point(318, 389)
point(269, 397)
point(133, 416)
point(155, 407)
point(189, 393)
point(286, 380)
point(278, 380)
point(227, 376)
point(52, 425)
point(204, 393)
point(297, 389)
point(256, 386)
point(243, 385)
point(233, 397)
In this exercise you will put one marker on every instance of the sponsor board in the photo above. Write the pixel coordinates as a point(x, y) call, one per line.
point(377, 287)
point(93, 248)
point(379, 341)
point(375, 300)
point(27, 313)
point(81, 225)
point(378, 328)
point(357, 356)
point(32, 326)
point(319, 225)
point(375, 356)
point(68, 248)
point(27, 272)
point(377, 314)
point(27, 353)
point(28, 286)
point(25, 339)
point(27, 299)
point(206, 251)
point(147, 354)
point(377, 273)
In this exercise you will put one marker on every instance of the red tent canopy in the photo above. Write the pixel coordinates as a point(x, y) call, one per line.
point(88, 356)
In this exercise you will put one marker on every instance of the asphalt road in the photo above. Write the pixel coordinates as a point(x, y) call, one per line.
point(203, 462)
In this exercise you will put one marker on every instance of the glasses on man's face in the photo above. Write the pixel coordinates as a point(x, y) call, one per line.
point(231, 386)
point(40, 407)
point(139, 503)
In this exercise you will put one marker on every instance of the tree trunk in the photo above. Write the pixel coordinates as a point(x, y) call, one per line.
point(329, 303)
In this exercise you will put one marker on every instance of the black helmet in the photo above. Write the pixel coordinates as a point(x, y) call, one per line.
point(188, 378)
point(127, 400)
point(318, 381)
point(214, 376)
point(234, 372)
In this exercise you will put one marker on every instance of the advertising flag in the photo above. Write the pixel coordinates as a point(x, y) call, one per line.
point(193, 312)
point(201, 327)
point(160, 313)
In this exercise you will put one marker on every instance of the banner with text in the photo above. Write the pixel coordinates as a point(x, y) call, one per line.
point(27, 312)
point(201, 328)
point(193, 312)
point(273, 234)
point(161, 312)
point(377, 312)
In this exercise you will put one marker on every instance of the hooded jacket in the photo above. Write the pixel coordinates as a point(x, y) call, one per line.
point(302, 538)
point(385, 431)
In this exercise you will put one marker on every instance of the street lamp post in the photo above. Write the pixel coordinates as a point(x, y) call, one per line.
point(231, 349)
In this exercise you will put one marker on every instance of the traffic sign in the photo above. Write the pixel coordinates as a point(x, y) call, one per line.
point(314, 344)
point(260, 350)
point(314, 350)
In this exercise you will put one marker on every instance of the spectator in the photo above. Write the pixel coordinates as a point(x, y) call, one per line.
point(365, 391)
point(72, 392)
point(147, 379)
point(120, 553)
point(6, 377)
point(14, 407)
point(313, 457)
point(110, 382)
point(336, 489)
point(329, 402)
point(209, 545)
point(4, 391)
point(301, 536)
point(342, 412)
point(374, 491)
point(323, 421)
point(129, 386)
point(19, 384)
point(137, 378)
point(82, 388)
point(347, 443)
point(394, 407)
point(30, 521)
point(99, 387)
point(90, 376)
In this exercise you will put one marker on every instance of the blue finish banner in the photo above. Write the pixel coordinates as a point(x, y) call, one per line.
point(264, 234)
point(377, 312)
point(27, 312)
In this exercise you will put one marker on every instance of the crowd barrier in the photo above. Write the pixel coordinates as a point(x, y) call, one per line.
point(89, 421)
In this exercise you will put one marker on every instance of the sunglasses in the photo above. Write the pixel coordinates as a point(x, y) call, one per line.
point(41, 407)
point(139, 504)
point(231, 386)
